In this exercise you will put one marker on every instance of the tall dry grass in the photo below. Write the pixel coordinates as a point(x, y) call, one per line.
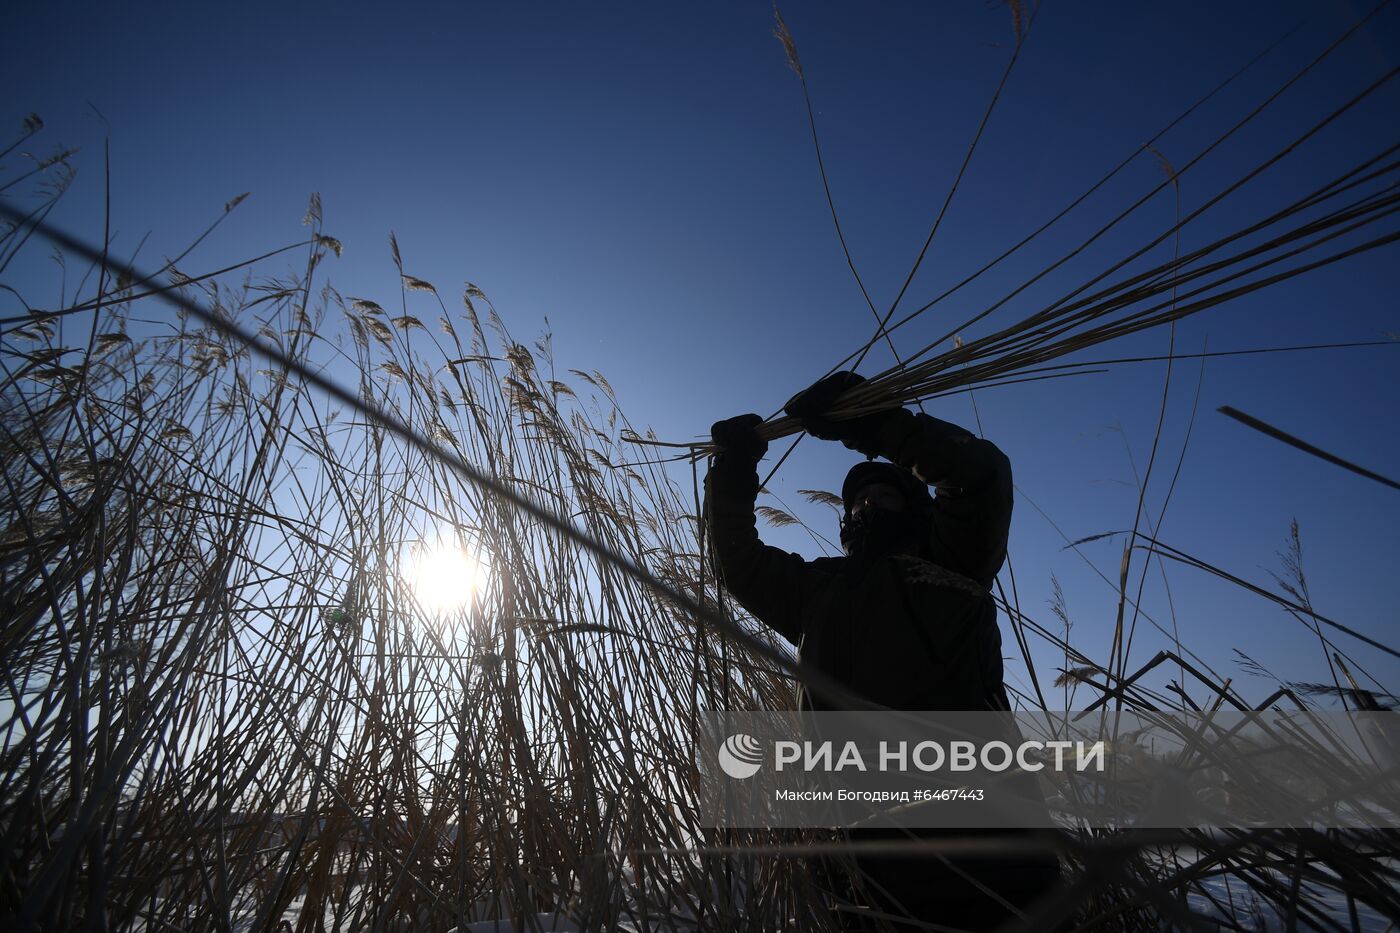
point(224, 704)
point(223, 698)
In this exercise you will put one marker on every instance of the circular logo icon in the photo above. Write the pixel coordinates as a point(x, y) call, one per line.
point(740, 756)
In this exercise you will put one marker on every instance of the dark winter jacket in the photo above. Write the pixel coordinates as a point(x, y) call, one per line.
point(916, 633)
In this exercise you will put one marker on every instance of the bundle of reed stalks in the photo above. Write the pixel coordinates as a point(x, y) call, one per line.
point(1346, 215)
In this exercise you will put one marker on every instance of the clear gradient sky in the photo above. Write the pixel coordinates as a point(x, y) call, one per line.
point(642, 175)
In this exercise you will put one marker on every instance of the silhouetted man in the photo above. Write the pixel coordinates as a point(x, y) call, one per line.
point(905, 619)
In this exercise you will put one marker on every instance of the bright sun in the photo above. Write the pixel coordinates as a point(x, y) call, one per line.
point(445, 577)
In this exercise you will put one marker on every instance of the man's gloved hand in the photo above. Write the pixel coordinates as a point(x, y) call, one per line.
point(810, 408)
point(739, 435)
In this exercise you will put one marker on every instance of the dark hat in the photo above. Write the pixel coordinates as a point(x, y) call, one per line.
point(915, 491)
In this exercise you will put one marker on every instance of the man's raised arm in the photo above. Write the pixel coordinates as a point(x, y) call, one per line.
point(766, 581)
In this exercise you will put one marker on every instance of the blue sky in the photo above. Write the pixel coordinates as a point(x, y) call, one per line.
point(642, 176)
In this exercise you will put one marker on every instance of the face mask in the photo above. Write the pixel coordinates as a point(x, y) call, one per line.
point(881, 533)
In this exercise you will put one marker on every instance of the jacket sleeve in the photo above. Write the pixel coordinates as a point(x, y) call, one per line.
point(972, 480)
point(767, 581)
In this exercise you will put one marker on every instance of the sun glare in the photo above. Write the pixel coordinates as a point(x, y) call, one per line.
point(445, 577)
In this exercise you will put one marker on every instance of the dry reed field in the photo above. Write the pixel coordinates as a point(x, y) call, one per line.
point(231, 702)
